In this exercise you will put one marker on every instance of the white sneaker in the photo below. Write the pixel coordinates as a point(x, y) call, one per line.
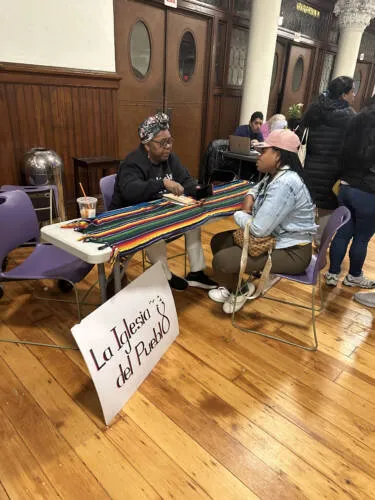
point(237, 303)
point(360, 281)
point(220, 294)
point(332, 279)
point(365, 298)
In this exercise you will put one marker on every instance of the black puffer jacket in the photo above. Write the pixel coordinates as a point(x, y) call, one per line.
point(358, 154)
point(328, 121)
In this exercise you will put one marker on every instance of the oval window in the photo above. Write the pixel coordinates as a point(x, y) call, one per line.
point(274, 69)
point(357, 81)
point(140, 49)
point(187, 56)
point(297, 74)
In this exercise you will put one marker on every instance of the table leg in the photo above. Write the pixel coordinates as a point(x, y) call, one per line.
point(117, 275)
point(240, 170)
point(102, 283)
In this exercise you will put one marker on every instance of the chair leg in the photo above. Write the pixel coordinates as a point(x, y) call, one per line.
point(144, 260)
point(40, 344)
point(185, 258)
point(314, 347)
point(55, 346)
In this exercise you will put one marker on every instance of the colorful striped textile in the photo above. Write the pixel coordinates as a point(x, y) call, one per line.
point(130, 229)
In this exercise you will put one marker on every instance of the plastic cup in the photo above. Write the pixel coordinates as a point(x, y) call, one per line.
point(87, 206)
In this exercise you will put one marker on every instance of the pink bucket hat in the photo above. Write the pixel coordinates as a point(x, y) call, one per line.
point(282, 139)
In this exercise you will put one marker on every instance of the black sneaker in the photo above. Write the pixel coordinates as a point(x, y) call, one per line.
point(201, 280)
point(178, 283)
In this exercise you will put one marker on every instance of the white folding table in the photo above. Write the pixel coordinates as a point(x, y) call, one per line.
point(69, 240)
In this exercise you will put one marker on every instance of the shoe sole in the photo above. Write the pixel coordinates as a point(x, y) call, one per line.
point(218, 301)
point(198, 284)
point(358, 285)
point(331, 283)
point(363, 303)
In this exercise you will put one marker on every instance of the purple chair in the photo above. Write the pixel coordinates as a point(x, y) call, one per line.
point(107, 185)
point(19, 224)
point(311, 277)
point(51, 188)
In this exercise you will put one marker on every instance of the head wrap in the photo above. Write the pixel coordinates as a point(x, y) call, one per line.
point(149, 128)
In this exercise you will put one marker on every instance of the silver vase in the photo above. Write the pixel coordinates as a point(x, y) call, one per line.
point(45, 167)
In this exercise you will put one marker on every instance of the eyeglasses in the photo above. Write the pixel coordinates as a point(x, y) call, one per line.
point(164, 143)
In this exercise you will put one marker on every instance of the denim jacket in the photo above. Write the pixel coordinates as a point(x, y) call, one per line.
point(283, 208)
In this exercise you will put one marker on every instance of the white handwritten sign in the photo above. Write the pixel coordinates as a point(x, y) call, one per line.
point(123, 339)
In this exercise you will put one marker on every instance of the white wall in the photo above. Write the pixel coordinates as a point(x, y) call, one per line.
point(64, 33)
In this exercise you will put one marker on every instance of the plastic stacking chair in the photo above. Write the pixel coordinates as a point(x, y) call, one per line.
point(51, 189)
point(19, 224)
point(310, 277)
point(107, 185)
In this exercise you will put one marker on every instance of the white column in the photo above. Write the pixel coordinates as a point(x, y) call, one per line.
point(354, 16)
point(260, 55)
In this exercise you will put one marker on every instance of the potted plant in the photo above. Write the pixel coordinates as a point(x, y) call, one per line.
point(294, 115)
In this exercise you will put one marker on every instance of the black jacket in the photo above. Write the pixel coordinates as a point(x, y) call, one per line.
point(140, 180)
point(358, 154)
point(328, 121)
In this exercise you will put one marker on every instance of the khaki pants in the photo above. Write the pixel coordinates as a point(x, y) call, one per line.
point(227, 258)
point(158, 252)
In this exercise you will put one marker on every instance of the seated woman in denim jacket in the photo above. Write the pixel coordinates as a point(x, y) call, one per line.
point(280, 205)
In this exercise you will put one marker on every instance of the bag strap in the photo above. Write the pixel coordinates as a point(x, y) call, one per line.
point(305, 136)
point(244, 257)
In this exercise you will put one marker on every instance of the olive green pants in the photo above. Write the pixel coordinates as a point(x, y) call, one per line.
point(227, 259)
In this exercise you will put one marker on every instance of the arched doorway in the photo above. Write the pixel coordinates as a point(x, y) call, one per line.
point(161, 57)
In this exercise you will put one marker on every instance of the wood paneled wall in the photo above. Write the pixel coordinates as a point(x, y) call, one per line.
point(70, 111)
point(226, 114)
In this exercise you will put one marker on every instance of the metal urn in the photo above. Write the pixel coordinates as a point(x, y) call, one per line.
point(45, 167)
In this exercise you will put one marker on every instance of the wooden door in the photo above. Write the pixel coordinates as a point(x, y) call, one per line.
point(277, 79)
point(185, 85)
point(140, 32)
point(361, 76)
point(297, 77)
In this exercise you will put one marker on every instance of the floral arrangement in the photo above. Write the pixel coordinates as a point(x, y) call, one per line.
point(295, 111)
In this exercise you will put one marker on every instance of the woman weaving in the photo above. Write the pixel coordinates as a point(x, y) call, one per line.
point(281, 206)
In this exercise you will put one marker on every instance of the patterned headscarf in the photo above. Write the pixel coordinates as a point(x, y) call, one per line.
point(152, 126)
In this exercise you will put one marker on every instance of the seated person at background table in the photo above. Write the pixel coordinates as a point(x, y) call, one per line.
point(252, 130)
point(148, 172)
point(280, 205)
point(276, 122)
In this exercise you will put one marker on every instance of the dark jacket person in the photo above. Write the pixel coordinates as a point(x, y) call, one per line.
point(327, 120)
point(145, 175)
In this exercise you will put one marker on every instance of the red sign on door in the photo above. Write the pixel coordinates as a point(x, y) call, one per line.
point(171, 3)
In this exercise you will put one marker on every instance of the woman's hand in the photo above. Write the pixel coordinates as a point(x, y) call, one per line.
point(173, 187)
point(247, 204)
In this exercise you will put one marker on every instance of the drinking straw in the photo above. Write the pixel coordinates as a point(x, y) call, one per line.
point(83, 191)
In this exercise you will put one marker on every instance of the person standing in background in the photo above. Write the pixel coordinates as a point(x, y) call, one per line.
point(357, 193)
point(327, 121)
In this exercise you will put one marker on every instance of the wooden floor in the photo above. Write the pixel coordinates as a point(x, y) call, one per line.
point(224, 415)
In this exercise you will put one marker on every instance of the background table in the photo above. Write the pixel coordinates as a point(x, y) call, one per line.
point(251, 158)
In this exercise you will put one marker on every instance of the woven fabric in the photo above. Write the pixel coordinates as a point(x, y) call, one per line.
point(130, 229)
point(257, 246)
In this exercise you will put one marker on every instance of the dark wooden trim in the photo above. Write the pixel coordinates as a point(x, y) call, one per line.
point(49, 75)
point(305, 40)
